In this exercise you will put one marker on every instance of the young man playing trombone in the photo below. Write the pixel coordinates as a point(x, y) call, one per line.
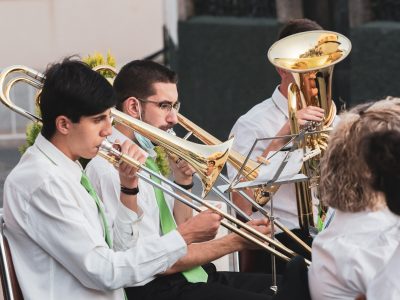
point(60, 237)
point(147, 91)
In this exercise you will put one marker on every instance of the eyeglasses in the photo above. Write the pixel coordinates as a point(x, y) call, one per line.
point(163, 105)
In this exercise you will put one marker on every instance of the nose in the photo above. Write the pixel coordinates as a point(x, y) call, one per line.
point(172, 117)
point(107, 130)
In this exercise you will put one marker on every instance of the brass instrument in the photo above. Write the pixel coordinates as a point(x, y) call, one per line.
point(261, 195)
point(250, 169)
point(173, 144)
point(208, 161)
point(237, 160)
point(310, 57)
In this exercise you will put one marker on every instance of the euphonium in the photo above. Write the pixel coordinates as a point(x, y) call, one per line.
point(310, 57)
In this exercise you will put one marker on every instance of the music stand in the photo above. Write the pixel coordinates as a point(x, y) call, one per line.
point(283, 168)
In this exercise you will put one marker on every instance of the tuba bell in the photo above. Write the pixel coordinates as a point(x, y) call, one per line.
point(310, 57)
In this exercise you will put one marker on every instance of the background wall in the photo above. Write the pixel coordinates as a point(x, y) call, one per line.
point(223, 69)
point(36, 32)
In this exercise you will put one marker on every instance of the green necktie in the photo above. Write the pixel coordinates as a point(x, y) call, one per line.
point(196, 274)
point(88, 186)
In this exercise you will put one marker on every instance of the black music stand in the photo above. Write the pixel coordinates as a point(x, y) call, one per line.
point(283, 168)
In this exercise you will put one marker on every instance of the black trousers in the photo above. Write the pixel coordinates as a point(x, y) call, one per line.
point(220, 285)
point(259, 261)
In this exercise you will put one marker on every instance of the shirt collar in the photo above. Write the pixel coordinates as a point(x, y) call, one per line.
point(363, 221)
point(58, 158)
point(280, 101)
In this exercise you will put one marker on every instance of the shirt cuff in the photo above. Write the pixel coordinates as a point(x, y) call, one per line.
point(175, 246)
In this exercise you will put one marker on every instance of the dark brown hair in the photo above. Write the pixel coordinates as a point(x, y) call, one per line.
point(136, 79)
point(297, 26)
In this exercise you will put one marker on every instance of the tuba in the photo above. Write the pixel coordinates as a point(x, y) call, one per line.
point(310, 57)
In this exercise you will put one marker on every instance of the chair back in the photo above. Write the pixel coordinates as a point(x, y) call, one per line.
point(9, 281)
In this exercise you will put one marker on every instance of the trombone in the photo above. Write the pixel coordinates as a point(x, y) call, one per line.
point(250, 168)
point(236, 160)
point(173, 144)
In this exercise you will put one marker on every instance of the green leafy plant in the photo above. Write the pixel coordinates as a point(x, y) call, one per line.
point(162, 160)
point(94, 60)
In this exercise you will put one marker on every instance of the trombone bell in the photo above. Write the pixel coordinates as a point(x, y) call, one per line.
point(207, 160)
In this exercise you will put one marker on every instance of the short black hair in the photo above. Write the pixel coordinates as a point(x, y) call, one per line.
point(136, 79)
point(72, 89)
point(381, 152)
point(298, 25)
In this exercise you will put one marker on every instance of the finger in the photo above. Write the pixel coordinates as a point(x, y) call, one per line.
point(122, 167)
point(181, 163)
point(125, 146)
point(315, 108)
point(314, 113)
point(310, 117)
point(256, 222)
point(189, 172)
point(186, 169)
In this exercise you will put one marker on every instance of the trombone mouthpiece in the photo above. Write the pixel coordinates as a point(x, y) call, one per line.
point(110, 151)
point(106, 145)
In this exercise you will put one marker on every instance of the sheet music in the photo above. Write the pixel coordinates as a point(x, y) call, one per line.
point(292, 167)
point(290, 172)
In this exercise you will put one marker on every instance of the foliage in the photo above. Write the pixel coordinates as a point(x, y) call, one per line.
point(32, 131)
point(97, 59)
point(162, 161)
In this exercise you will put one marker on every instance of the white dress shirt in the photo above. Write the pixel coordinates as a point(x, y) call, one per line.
point(265, 120)
point(106, 182)
point(56, 234)
point(350, 252)
point(386, 285)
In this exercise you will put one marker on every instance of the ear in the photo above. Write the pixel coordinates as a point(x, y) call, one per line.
point(281, 72)
point(284, 74)
point(63, 124)
point(131, 107)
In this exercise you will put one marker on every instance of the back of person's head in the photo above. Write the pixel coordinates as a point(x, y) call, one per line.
point(73, 89)
point(345, 180)
point(296, 26)
point(136, 79)
point(381, 152)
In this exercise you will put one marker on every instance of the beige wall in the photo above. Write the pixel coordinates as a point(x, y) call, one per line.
point(36, 32)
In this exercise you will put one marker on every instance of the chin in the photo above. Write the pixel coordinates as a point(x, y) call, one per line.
point(90, 155)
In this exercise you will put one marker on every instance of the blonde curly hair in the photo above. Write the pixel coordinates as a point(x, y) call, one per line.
point(345, 177)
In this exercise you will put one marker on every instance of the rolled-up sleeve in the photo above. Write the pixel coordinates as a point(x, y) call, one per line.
point(126, 227)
